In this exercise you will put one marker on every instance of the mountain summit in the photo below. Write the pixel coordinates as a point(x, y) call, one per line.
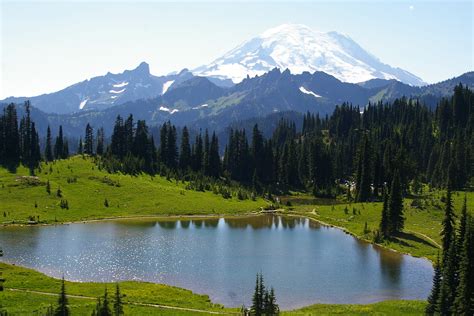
point(298, 48)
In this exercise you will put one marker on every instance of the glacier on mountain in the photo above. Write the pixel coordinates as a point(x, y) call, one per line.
point(298, 48)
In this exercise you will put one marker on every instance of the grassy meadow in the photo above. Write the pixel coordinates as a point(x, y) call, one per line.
point(86, 188)
point(40, 291)
point(421, 237)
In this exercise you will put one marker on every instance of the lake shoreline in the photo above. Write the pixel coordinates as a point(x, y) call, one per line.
point(210, 216)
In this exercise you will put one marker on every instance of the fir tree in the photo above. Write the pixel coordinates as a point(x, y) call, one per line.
point(48, 151)
point(118, 304)
point(59, 145)
point(432, 306)
point(63, 308)
point(185, 152)
point(385, 220)
point(447, 232)
point(105, 307)
point(464, 301)
point(364, 171)
point(256, 308)
point(100, 142)
point(80, 147)
point(89, 140)
point(448, 281)
point(395, 206)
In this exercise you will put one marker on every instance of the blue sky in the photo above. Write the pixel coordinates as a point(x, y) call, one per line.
point(46, 46)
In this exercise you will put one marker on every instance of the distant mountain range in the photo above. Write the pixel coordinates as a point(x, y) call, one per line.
point(200, 103)
point(105, 91)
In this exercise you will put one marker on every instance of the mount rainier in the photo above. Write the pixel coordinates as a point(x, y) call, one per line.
point(298, 48)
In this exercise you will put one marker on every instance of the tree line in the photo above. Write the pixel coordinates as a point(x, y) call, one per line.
point(453, 281)
point(352, 151)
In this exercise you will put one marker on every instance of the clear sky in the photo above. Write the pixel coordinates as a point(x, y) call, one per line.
point(46, 46)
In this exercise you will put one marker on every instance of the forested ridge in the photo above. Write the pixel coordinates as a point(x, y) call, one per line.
point(354, 151)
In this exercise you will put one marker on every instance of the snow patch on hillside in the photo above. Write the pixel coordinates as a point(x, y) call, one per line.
point(305, 91)
point(117, 92)
point(166, 86)
point(120, 85)
point(201, 106)
point(165, 109)
point(83, 104)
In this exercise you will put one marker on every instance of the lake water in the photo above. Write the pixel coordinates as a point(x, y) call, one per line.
point(305, 262)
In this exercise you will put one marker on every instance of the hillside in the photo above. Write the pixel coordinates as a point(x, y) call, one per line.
point(86, 188)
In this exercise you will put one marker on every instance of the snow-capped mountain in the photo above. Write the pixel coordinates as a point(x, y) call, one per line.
point(106, 91)
point(298, 48)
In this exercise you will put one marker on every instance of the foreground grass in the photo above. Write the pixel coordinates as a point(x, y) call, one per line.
point(86, 188)
point(421, 236)
point(16, 299)
point(382, 308)
point(26, 303)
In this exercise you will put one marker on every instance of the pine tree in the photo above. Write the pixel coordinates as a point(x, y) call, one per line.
point(62, 309)
point(59, 145)
point(395, 206)
point(80, 147)
point(89, 140)
point(48, 151)
point(364, 171)
point(256, 299)
point(185, 152)
point(100, 142)
point(385, 220)
point(447, 232)
point(261, 292)
point(464, 303)
point(10, 139)
point(214, 158)
point(118, 305)
point(448, 281)
point(105, 307)
point(432, 306)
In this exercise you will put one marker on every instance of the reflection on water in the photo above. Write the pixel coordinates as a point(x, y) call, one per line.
point(305, 262)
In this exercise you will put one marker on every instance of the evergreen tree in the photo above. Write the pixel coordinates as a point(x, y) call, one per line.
point(363, 179)
point(11, 139)
point(59, 144)
point(105, 306)
point(395, 206)
point(80, 147)
point(448, 281)
point(48, 151)
point(185, 152)
point(385, 220)
point(464, 301)
point(89, 140)
point(118, 304)
point(100, 142)
point(447, 232)
point(63, 308)
point(214, 158)
point(432, 306)
point(256, 308)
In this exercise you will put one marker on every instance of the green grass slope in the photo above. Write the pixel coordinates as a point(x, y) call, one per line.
point(28, 291)
point(421, 236)
point(85, 188)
